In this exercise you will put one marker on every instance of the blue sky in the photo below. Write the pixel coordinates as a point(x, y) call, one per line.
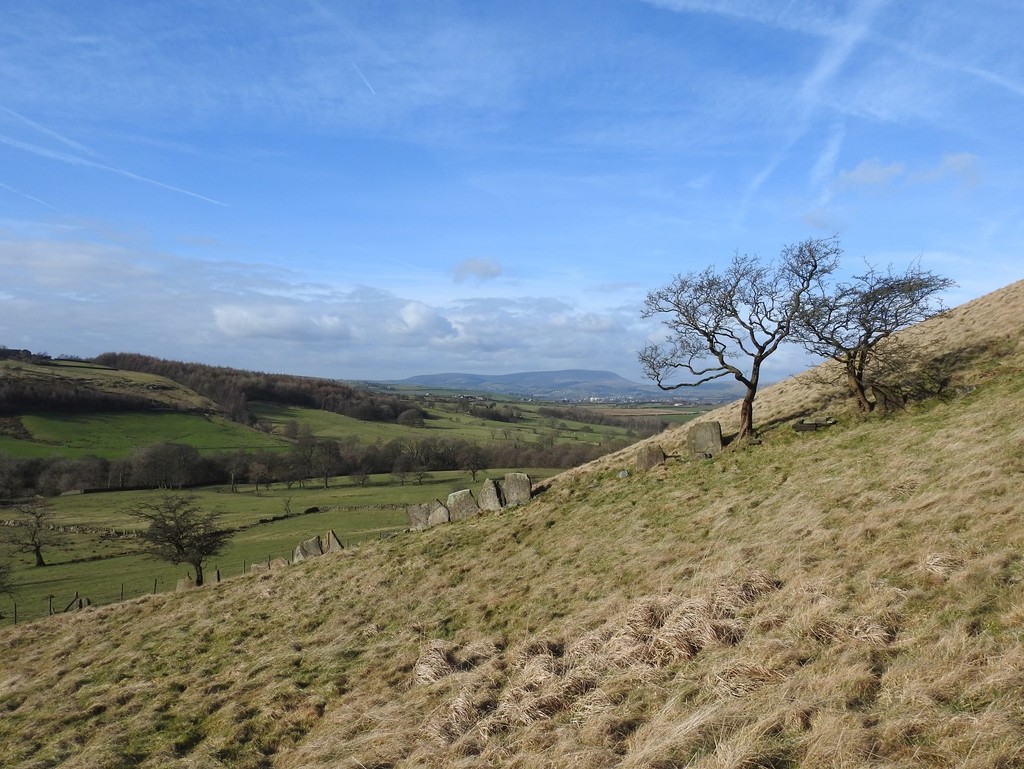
point(382, 189)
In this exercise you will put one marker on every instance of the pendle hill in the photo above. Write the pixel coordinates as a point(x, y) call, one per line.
point(851, 596)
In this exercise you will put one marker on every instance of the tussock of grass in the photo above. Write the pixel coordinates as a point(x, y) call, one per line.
point(849, 598)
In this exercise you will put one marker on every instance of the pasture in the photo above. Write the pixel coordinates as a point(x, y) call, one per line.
point(92, 563)
point(114, 435)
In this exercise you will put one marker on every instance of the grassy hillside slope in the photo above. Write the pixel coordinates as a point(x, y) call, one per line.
point(155, 409)
point(851, 597)
point(95, 377)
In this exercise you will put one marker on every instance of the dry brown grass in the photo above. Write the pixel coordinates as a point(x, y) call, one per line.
point(847, 598)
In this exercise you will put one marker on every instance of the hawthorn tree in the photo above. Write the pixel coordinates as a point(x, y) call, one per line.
point(179, 531)
point(33, 530)
point(727, 323)
point(850, 321)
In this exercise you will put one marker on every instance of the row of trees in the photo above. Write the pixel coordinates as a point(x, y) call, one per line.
point(170, 465)
point(728, 323)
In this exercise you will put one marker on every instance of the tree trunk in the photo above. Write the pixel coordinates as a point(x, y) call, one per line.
point(199, 573)
point(38, 552)
point(747, 415)
point(860, 393)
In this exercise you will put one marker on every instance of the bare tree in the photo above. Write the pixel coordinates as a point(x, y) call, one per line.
point(326, 460)
point(180, 532)
point(166, 465)
point(472, 459)
point(850, 322)
point(402, 467)
point(746, 311)
point(33, 530)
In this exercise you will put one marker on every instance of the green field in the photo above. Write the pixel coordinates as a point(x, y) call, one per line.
point(106, 569)
point(445, 421)
point(90, 561)
point(116, 435)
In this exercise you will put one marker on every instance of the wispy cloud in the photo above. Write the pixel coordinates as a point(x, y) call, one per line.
point(965, 166)
point(27, 196)
point(871, 173)
point(78, 147)
point(807, 17)
point(479, 268)
point(824, 167)
point(1008, 84)
point(841, 41)
point(64, 157)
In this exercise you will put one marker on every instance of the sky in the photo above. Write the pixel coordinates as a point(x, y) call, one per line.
point(380, 189)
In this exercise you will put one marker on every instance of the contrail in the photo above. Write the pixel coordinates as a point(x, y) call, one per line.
point(49, 132)
point(364, 78)
point(76, 161)
point(28, 197)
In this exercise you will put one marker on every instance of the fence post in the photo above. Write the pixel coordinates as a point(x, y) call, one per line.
point(49, 605)
point(154, 585)
point(122, 592)
point(243, 566)
point(15, 613)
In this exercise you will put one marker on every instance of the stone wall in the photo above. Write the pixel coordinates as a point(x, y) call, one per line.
point(515, 489)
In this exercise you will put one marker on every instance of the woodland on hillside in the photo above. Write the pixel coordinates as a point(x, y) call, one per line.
point(233, 389)
point(305, 458)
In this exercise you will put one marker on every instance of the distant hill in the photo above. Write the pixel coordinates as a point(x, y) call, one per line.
point(568, 384)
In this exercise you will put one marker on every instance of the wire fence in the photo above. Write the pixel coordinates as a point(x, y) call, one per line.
point(14, 611)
